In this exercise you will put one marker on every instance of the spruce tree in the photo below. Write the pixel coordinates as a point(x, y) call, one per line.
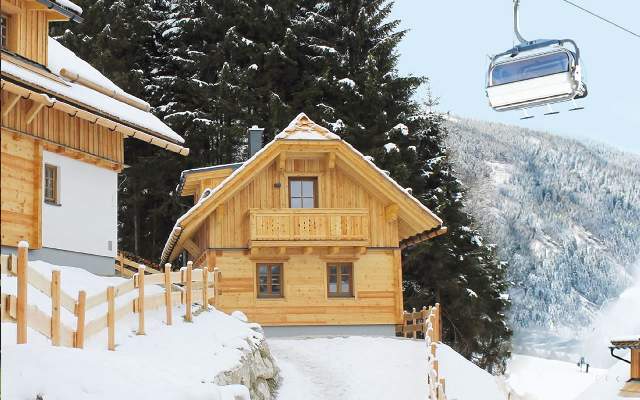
point(350, 49)
point(211, 69)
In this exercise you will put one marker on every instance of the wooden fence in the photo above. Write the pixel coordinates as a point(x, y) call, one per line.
point(180, 287)
point(427, 323)
point(128, 268)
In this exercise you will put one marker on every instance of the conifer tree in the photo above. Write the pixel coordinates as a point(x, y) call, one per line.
point(211, 69)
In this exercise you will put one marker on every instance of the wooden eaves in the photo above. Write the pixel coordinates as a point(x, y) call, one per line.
point(22, 90)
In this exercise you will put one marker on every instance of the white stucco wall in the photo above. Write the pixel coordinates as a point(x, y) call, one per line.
point(86, 219)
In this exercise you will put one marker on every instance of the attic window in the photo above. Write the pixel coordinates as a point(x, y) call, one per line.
point(4, 28)
point(303, 192)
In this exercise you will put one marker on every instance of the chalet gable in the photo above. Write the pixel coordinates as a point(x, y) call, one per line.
point(304, 139)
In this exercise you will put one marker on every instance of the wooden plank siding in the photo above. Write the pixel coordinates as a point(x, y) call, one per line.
point(377, 297)
point(229, 226)
point(29, 28)
point(21, 190)
point(57, 127)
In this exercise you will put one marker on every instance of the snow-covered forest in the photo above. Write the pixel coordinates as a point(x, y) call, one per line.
point(563, 213)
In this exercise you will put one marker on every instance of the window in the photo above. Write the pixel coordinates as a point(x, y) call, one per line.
point(530, 68)
point(303, 193)
point(340, 280)
point(269, 280)
point(4, 27)
point(51, 195)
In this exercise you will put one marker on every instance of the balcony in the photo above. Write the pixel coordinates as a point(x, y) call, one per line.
point(309, 227)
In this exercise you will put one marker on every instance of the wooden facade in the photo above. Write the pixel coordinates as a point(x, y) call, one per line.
point(358, 220)
point(36, 119)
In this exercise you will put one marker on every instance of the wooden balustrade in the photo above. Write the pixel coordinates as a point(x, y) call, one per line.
point(300, 226)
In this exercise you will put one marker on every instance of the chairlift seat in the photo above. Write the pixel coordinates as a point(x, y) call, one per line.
point(521, 78)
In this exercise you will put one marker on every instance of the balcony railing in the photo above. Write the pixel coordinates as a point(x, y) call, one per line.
point(309, 226)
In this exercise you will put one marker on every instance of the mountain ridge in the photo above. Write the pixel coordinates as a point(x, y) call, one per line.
point(563, 212)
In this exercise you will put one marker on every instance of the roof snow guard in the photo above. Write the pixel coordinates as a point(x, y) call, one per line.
point(71, 85)
point(300, 129)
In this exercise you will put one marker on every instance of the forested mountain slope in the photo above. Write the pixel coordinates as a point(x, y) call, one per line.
point(564, 214)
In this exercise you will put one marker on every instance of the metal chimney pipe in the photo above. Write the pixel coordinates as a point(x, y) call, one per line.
point(255, 139)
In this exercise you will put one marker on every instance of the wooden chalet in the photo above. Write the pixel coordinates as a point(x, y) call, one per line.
point(63, 127)
point(307, 233)
point(631, 388)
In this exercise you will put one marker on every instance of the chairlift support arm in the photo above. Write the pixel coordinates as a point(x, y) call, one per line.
point(516, 22)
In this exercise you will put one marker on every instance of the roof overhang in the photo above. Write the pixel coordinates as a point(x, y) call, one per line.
point(52, 5)
point(28, 90)
point(191, 177)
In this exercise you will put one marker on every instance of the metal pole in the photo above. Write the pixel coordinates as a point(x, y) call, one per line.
point(516, 22)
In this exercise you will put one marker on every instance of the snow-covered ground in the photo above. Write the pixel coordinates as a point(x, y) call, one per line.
point(169, 362)
point(534, 378)
point(352, 368)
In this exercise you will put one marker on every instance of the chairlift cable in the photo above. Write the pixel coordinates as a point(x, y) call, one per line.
point(602, 18)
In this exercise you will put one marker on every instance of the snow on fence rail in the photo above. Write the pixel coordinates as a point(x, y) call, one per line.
point(16, 308)
point(428, 322)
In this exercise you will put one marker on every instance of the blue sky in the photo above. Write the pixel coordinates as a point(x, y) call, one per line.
point(449, 42)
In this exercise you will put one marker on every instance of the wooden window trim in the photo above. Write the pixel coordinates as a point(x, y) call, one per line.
point(313, 179)
point(55, 199)
point(5, 27)
point(339, 294)
point(270, 294)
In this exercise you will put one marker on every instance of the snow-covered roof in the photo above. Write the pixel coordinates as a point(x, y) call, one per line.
point(119, 111)
point(69, 4)
point(300, 128)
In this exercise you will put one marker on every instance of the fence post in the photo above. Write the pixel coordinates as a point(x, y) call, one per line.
point(438, 327)
point(80, 313)
point(188, 294)
point(55, 307)
point(413, 322)
point(21, 306)
point(111, 318)
point(205, 289)
point(141, 299)
point(167, 292)
point(216, 285)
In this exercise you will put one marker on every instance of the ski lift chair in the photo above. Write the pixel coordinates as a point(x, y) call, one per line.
point(535, 73)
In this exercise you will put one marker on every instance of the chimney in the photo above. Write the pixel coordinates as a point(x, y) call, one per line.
point(255, 139)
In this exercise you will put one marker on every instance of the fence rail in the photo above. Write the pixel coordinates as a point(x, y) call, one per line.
point(427, 323)
point(127, 267)
point(178, 285)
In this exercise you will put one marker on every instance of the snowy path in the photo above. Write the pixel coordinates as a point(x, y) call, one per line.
point(354, 368)
point(350, 368)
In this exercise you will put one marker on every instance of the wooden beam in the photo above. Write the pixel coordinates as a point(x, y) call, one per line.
point(14, 99)
point(282, 161)
point(33, 111)
point(192, 248)
point(391, 212)
point(331, 160)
